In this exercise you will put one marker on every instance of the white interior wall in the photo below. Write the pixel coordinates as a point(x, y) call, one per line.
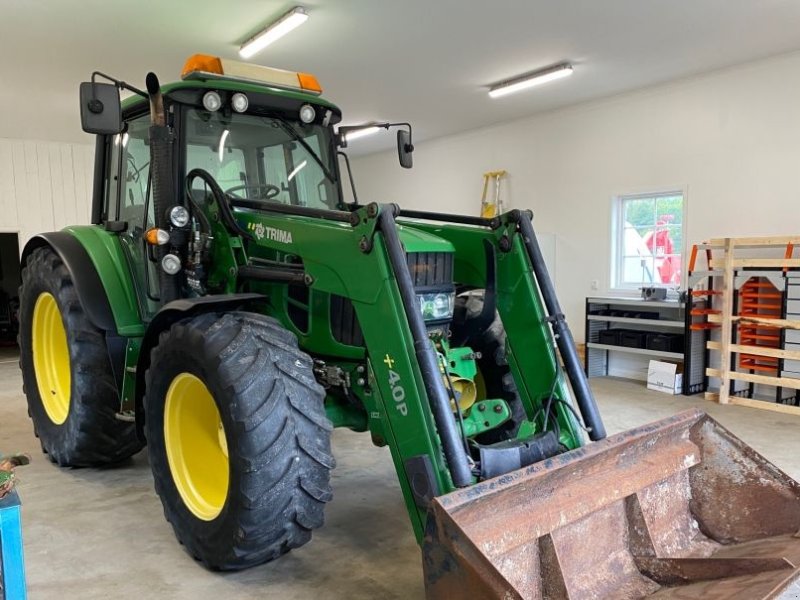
point(44, 186)
point(731, 139)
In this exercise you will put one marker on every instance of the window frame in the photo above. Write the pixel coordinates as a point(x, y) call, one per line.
point(616, 253)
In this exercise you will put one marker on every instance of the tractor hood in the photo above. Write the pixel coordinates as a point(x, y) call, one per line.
point(416, 240)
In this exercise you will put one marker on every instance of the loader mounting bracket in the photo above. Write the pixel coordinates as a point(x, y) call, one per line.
point(424, 488)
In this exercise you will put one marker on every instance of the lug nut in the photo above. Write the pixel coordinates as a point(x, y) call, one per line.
point(498, 408)
point(481, 407)
point(360, 381)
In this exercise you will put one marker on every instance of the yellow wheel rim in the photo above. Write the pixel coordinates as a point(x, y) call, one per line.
point(51, 358)
point(197, 450)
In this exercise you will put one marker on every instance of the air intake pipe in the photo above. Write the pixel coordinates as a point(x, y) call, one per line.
point(161, 183)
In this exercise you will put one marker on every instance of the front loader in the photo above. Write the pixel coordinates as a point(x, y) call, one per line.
point(228, 308)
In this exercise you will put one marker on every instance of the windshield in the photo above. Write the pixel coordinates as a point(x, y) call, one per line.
point(264, 158)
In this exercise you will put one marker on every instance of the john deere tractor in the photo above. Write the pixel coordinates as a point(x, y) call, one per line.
point(228, 308)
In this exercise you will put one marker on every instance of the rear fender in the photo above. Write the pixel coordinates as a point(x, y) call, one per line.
point(92, 269)
point(84, 275)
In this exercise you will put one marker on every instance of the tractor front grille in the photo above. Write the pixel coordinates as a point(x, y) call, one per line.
point(431, 270)
point(344, 323)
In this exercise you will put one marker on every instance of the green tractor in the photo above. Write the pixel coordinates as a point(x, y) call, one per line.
point(228, 307)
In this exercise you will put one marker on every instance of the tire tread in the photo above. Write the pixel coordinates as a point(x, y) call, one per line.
point(92, 435)
point(283, 454)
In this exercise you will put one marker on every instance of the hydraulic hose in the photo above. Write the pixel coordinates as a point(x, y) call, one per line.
point(218, 194)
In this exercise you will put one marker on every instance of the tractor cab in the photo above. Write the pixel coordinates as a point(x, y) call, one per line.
point(263, 135)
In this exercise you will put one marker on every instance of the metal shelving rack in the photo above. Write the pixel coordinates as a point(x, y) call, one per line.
point(673, 318)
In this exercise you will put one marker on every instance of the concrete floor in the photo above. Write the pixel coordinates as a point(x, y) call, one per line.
point(101, 534)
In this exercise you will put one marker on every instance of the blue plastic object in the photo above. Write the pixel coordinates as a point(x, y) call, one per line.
point(12, 567)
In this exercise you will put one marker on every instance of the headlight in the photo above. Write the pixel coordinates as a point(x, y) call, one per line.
point(212, 101)
point(239, 102)
point(437, 306)
point(307, 113)
point(171, 264)
point(178, 216)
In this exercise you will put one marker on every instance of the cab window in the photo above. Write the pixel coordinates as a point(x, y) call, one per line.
point(134, 185)
point(263, 158)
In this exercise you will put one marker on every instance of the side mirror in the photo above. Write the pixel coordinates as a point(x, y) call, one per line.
point(405, 148)
point(101, 111)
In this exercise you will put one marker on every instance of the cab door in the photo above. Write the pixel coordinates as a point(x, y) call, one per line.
point(130, 206)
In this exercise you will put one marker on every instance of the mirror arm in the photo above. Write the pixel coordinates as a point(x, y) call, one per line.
point(341, 133)
point(119, 84)
point(350, 175)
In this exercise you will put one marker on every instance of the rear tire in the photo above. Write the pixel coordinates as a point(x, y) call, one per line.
point(72, 398)
point(270, 492)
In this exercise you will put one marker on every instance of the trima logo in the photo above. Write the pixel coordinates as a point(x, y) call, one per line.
point(271, 233)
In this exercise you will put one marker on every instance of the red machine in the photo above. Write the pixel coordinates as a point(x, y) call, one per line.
point(660, 244)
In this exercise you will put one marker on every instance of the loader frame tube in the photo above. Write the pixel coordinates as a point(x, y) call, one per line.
point(566, 344)
point(493, 223)
point(289, 209)
point(434, 386)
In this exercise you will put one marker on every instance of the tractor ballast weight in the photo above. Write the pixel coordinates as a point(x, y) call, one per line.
point(228, 308)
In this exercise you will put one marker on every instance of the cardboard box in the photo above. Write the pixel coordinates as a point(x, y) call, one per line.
point(664, 376)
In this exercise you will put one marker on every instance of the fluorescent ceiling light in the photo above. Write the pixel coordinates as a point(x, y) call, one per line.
point(296, 170)
point(222, 139)
point(530, 79)
point(354, 135)
point(292, 19)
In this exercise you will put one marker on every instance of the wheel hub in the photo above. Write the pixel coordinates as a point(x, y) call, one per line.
point(51, 362)
point(196, 446)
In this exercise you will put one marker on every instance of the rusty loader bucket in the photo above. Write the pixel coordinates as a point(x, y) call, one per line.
point(679, 508)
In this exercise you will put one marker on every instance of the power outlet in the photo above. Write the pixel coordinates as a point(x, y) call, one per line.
point(594, 284)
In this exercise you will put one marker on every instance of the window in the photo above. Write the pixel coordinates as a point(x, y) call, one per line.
point(134, 186)
point(264, 158)
point(648, 240)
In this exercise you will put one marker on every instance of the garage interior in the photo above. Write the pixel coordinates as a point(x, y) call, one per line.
point(653, 147)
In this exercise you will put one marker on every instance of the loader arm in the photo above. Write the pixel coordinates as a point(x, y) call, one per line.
point(407, 404)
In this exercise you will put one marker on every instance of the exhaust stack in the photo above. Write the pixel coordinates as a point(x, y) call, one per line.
point(162, 184)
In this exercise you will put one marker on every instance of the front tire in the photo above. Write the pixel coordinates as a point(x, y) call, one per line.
point(66, 371)
point(238, 438)
point(495, 379)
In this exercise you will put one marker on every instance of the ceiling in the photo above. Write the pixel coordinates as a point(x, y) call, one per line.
point(427, 62)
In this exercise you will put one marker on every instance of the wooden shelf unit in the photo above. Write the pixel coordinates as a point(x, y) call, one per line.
point(757, 313)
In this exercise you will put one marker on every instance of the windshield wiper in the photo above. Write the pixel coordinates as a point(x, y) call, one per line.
point(286, 126)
